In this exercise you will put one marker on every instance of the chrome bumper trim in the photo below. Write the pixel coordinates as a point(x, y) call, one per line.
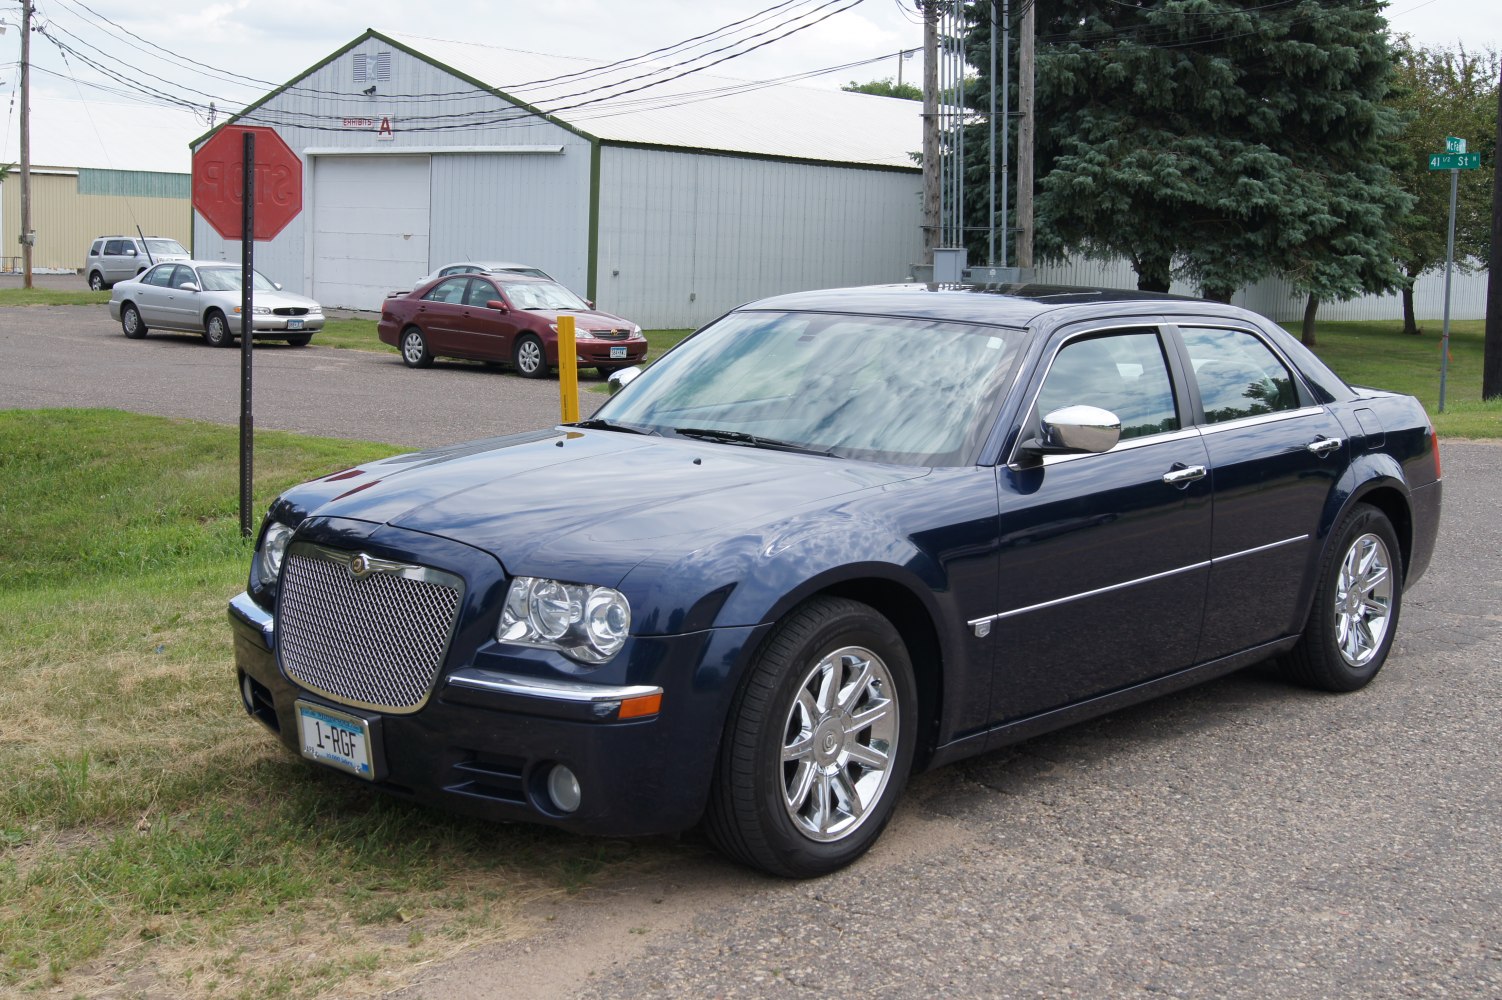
point(246, 612)
point(568, 692)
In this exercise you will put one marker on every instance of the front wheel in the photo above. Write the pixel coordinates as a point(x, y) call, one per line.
point(529, 358)
point(300, 341)
point(131, 322)
point(818, 744)
point(1356, 605)
point(216, 330)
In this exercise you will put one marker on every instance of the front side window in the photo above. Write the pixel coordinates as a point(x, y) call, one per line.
point(877, 388)
point(117, 248)
point(1124, 372)
point(480, 292)
point(1238, 375)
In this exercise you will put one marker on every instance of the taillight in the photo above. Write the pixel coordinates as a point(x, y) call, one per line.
point(1434, 443)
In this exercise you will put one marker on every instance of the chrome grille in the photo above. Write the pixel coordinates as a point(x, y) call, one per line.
point(612, 334)
point(290, 311)
point(373, 642)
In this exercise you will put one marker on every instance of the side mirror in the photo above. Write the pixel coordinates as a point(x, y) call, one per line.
point(130, 251)
point(188, 286)
point(619, 380)
point(277, 285)
point(590, 303)
point(1074, 430)
point(497, 305)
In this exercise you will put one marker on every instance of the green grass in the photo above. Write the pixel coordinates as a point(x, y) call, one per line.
point(1379, 354)
point(51, 297)
point(150, 832)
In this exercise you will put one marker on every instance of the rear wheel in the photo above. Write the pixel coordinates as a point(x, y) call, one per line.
point(818, 744)
point(216, 330)
point(131, 322)
point(1356, 605)
point(529, 358)
point(415, 353)
point(96, 281)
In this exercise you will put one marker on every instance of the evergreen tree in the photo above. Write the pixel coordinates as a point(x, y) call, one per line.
point(1216, 141)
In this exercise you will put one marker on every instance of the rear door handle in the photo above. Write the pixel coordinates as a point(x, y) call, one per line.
point(1324, 446)
point(1184, 476)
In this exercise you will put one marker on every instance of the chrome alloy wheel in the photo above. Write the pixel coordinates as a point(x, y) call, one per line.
point(529, 356)
point(1363, 599)
point(413, 347)
point(838, 744)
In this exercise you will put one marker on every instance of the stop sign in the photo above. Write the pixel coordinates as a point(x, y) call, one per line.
point(219, 182)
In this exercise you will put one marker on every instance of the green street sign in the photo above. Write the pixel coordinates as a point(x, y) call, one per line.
point(1454, 161)
point(1454, 144)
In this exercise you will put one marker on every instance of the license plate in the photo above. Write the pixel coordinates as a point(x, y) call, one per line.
point(617, 352)
point(335, 739)
point(294, 324)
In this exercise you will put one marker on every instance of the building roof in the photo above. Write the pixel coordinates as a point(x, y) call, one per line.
point(696, 111)
point(104, 136)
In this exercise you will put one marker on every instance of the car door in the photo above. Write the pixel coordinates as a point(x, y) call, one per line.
point(182, 309)
point(1275, 456)
point(1104, 557)
point(438, 314)
point(488, 332)
point(119, 261)
point(153, 296)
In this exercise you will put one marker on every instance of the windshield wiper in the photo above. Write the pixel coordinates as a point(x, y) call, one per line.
point(753, 440)
point(601, 424)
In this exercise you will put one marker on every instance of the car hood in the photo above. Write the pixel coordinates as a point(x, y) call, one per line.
point(590, 505)
point(274, 300)
point(586, 319)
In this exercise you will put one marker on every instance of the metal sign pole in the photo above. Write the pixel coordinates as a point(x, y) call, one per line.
point(1444, 340)
point(247, 326)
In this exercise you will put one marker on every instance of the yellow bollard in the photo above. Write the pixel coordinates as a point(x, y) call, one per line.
point(568, 370)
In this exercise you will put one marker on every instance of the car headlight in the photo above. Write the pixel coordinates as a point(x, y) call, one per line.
point(273, 548)
point(584, 622)
point(257, 310)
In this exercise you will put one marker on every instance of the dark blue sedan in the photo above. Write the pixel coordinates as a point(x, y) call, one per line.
point(829, 539)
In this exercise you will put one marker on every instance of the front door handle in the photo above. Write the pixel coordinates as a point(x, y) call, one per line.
point(1324, 446)
point(1184, 476)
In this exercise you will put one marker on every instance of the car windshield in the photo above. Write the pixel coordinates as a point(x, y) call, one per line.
point(169, 247)
point(227, 279)
point(541, 295)
point(883, 389)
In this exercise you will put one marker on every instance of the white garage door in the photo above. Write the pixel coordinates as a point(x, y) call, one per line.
point(370, 227)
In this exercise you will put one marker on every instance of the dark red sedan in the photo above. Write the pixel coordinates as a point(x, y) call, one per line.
point(513, 319)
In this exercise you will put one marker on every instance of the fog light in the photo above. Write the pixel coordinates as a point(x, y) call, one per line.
point(563, 788)
point(247, 694)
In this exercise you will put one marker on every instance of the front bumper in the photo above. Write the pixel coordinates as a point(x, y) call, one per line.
point(487, 738)
point(598, 352)
point(281, 325)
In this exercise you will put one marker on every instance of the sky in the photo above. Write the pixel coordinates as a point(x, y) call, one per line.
point(250, 46)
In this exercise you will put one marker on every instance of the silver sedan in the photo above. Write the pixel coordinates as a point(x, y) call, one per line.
point(204, 297)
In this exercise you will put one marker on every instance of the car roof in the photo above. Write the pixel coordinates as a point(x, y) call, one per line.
point(1015, 303)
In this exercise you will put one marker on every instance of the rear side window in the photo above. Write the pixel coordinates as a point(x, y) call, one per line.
point(159, 275)
point(449, 290)
point(1124, 372)
point(1238, 375)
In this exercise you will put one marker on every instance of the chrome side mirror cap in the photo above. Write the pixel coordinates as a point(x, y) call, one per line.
point(619, 380)
point(1073, 430)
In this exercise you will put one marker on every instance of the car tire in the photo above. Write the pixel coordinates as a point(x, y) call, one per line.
point(529, 357)
point(131, 321)
point(415, 353)
point(608, 370)
point(1356, 604)
point(216, 330)
point(818, 744)
point(96, 281)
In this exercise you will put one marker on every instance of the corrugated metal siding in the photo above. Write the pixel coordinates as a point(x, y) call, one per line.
point(530, 208)
point(686, 236)
point(67, 222)
point(1276, 298)
point(312, 115)
point(135, 183)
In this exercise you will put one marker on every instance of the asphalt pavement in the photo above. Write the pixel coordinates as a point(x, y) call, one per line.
point(1244, 839)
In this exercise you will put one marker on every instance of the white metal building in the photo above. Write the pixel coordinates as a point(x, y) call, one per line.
point(667, 205)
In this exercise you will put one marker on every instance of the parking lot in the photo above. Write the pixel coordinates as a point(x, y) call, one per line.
point(1242, 839)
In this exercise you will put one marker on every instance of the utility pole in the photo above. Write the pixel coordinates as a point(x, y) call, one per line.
point(26, 236)
point(931, 164)
point(1025, 136)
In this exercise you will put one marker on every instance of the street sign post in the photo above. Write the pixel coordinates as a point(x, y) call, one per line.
point(1454, 159)
point(238, 191)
